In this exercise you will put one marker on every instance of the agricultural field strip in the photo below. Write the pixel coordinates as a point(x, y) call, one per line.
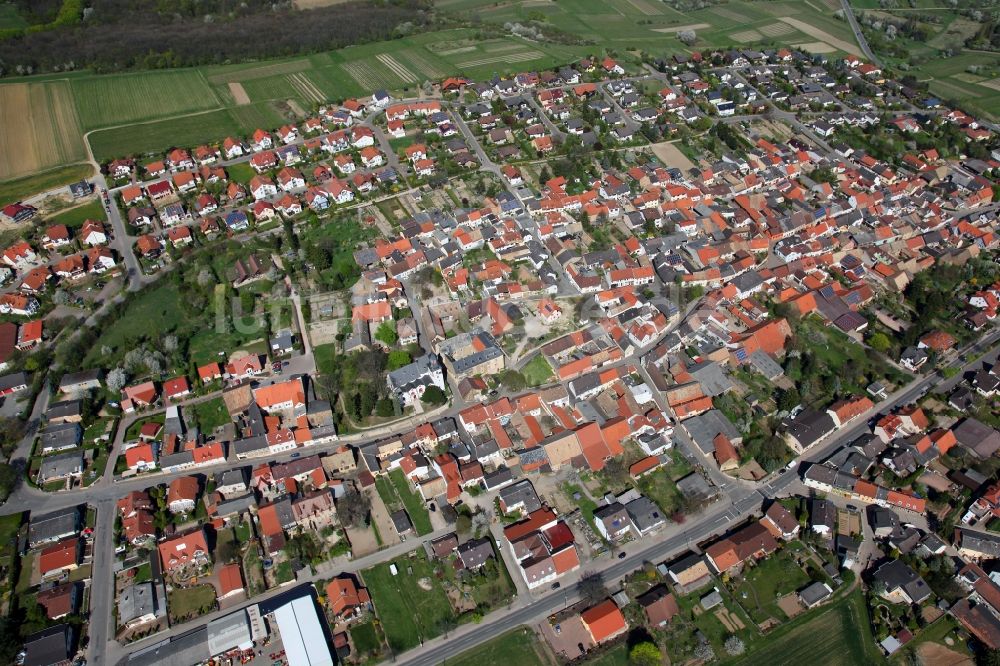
point(261, 72)
point(368, 76)
point(421, 63)
point(397, 68)
point(509, 58)
point(306, 87)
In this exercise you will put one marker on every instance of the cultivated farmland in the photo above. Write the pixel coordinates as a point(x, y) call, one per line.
point(103, 101)
point(39, 128)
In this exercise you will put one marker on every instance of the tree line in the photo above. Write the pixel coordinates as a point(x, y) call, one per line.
point(125, 34)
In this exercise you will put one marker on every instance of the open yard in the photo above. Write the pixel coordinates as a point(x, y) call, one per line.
point(411, 605)
point(190, 602)
point(210, 415)
point(537, 371)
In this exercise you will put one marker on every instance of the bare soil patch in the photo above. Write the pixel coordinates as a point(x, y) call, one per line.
point(789, 605)
point(933, 654)
point(670, 155)
point(676, 29)
point(240, 95)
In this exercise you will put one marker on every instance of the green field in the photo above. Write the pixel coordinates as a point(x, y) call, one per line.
point(128, 98)
point(21, 188)
point(160, 135)
point(75, 217)
point(408, 613)
point(519, 646)
point(834, 634)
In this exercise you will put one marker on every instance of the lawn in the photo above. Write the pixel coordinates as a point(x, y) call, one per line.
point(834, 634)
point(190, 601)
point(75, 217)
point(776, 576)
point(143, 573)
point(409, 614)
point(412, 502)
point(660, 485)
point(210, 415)
point(22, 188)
point(365, 638)
point(241, 173)
point(537, 371)
point(616, 656)
point(326, 357)
point(133, 430)
point(519, 646)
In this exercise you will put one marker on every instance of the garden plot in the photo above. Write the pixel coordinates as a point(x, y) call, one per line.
point(993, 84)
point(396, 67)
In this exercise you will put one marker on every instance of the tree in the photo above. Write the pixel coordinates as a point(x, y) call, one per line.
point(463, 524)
point(513, 380)
point(688, 37)
point(434, 396)
point(116, 379)
point(397, 359)
point(592, 588)
point(645, 653)
point(734, 645)
point(880, 342)
point(353, 507)
point(385, 407)
point(386, 333)
point(8, 479)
